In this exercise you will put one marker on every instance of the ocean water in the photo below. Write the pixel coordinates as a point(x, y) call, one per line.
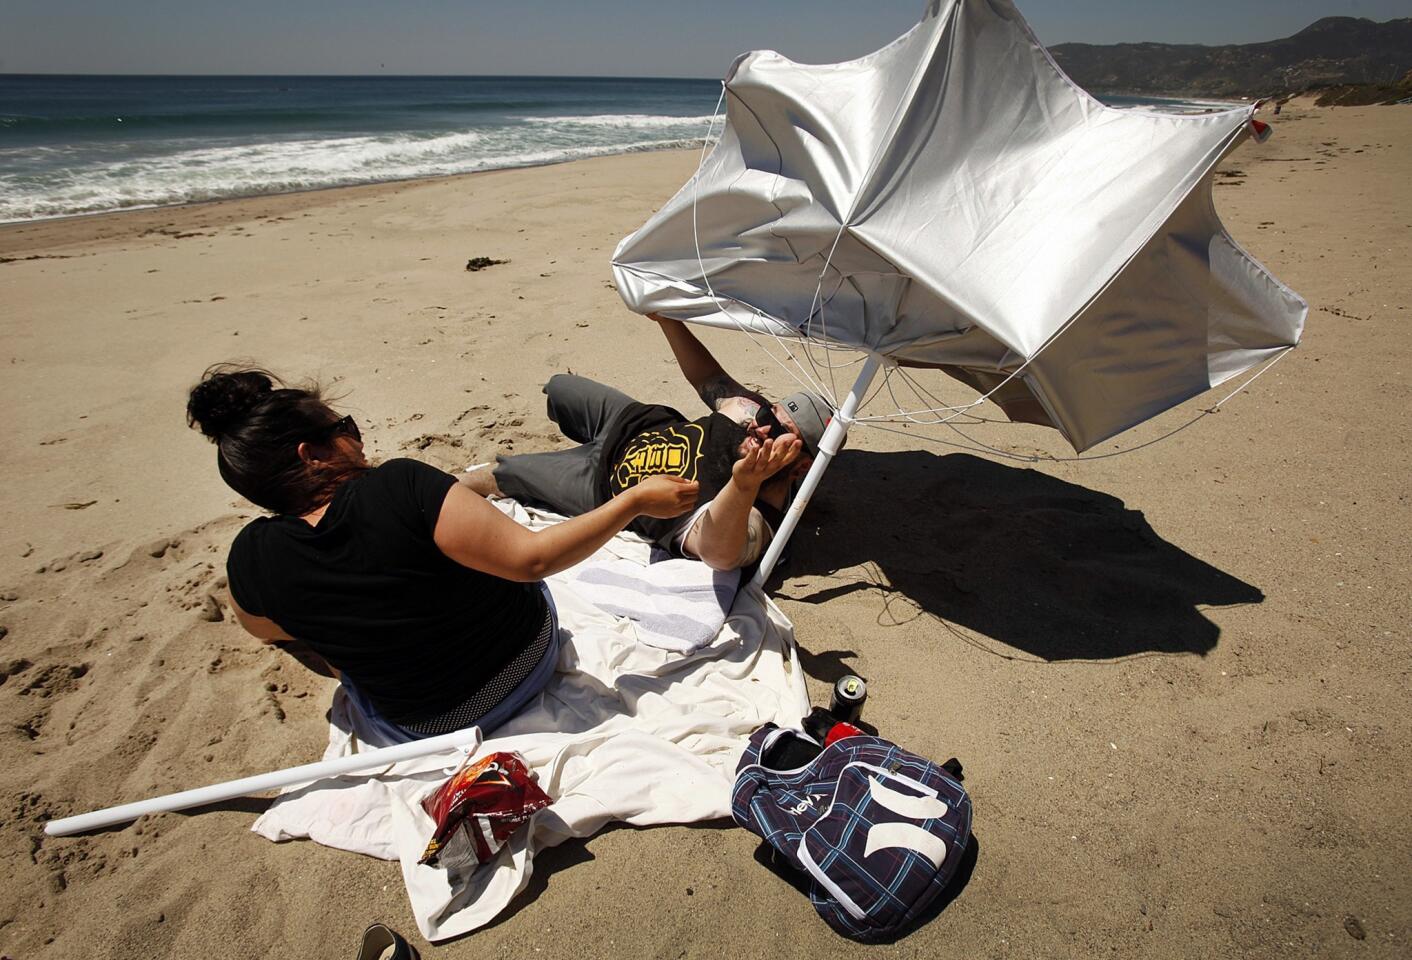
point(88, 144)
point(72, 145)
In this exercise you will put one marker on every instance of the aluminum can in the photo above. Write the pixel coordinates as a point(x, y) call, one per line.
point(849, 695)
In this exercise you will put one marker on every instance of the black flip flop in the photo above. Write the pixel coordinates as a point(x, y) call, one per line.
point(376, 940)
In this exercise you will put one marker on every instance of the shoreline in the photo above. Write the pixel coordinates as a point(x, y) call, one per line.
point(396, 181)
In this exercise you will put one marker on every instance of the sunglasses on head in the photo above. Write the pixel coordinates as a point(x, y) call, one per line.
point(346, 426)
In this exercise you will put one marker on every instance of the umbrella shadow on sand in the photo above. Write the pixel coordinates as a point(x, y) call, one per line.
point(1047, 567)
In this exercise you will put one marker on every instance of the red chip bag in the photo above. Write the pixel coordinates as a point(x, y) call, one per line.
point(478, 809)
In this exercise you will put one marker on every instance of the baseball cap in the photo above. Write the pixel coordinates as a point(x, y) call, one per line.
point(811, 414)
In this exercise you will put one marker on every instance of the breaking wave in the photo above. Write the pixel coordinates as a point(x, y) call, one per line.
point(55, 181)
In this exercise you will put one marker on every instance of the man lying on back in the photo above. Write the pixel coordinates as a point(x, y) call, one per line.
point(744, 455)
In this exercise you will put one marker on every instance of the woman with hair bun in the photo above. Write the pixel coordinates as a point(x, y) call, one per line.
point(424, 598)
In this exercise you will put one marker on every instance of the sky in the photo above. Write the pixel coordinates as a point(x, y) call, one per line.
point(659, 38)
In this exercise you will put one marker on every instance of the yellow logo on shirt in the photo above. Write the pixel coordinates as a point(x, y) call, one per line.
point(675, 451)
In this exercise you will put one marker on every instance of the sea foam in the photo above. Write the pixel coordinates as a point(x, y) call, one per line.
point(182, 172)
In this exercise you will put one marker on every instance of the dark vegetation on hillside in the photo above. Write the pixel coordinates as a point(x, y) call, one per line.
point(1362, 94)
point(1355, 60)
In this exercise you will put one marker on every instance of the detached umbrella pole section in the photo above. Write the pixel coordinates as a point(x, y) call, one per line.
point(244, 787)
point(828, 447)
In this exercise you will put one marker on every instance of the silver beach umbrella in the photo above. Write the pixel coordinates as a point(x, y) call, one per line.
point(954, 201)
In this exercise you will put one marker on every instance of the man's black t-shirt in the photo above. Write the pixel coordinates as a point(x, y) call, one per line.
point(649, 438)
point(369, 590)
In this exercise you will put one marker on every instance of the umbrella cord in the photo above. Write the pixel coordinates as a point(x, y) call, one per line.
point(977, 446)
point(831, 394)
point(814, 381)
point(847, 216)
point(807, 382)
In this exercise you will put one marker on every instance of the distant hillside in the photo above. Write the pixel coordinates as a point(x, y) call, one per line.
point(1361, 94)
point(1334, 51)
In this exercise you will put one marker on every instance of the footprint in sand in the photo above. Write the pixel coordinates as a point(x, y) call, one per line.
point(60, 564)
point(13, 668)
point(470, 411)
point(55, 680)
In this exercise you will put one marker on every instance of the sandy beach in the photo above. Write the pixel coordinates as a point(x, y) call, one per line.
point(1178, 679)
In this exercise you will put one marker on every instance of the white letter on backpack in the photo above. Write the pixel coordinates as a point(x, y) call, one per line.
point(884, 835)
point(913, 808)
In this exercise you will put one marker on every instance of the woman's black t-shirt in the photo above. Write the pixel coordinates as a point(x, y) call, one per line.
point(369, 590)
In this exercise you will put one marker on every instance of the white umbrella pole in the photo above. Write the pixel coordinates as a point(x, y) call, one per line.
point(245, 786)
point(828, 446)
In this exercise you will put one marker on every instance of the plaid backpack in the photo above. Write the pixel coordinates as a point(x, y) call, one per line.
point(878, 830)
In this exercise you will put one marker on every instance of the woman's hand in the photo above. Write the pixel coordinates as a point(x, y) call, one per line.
point(664, 496)
point(762, 462)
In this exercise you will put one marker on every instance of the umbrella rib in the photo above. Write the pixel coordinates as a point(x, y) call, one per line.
point(701, 263)
point(975, 445)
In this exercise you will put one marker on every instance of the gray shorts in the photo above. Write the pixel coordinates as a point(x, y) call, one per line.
point(566, 481)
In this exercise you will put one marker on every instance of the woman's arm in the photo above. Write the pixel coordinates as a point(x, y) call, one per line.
point(477, 535)
point(267, 631)
point(261, 628)
point(313, 662)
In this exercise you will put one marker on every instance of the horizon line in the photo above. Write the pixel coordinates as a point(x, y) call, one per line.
point(390, 76)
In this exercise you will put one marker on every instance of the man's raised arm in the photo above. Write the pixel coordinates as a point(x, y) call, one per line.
point(701, 370)
point(730, 533)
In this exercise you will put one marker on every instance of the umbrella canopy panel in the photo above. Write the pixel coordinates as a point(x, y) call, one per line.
point(955, 201)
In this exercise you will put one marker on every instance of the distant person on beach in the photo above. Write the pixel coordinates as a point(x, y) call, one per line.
point(424, 598)
point(744, 455)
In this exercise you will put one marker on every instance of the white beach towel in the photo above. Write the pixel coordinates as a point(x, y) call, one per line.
point(623, 732)
point(673, 604)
